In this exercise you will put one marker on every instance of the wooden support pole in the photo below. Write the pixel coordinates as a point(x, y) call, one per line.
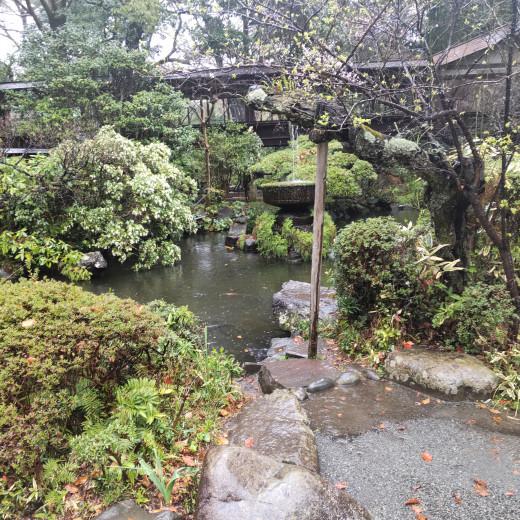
point(317, 244)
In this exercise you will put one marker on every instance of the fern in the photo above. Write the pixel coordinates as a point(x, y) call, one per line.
point(89, 401)
point(57, 472)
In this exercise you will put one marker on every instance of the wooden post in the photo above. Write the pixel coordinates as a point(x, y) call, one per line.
point(317, 240)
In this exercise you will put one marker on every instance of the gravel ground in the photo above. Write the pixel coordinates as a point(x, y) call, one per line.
point(384, 469)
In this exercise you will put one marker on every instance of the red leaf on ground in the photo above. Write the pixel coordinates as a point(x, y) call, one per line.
point(495, 411)
point(456, 497)
point(426, 401)
point(388, 388)
point(510, 493)
point(482, 491)
point(496, 418)
point(248, 442)
point(480, 482)
point(471, 421)
point(378, 399)
point(417, 509)
point(412, 501)
point(495, 451)
point(341, 485)
point(71, 488)
point(418, 516)
point(408, 344)
point(515, 472)
point(188, 460)
point(481, 405)
point(81, 480)
point(382, 426)
point(494, 439)
point(401, 428)
point(427, 456)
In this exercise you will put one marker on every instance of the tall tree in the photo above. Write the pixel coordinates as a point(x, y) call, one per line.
point(372, 59)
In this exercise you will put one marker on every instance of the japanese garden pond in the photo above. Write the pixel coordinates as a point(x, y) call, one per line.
point(230, 291)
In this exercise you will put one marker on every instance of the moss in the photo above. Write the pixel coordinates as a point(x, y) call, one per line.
point(400, 146)
point(372, 132)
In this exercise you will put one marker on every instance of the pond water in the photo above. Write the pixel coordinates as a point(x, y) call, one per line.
point(231, 291)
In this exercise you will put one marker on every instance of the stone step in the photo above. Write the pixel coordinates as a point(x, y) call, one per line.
point(276, 425)
point(239, 483)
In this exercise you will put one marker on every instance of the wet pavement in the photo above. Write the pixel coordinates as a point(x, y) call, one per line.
point(372, 437)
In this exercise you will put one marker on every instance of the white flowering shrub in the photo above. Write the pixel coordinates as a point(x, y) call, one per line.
point(108, 193)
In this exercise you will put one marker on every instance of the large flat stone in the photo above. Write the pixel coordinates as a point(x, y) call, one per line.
point(449, 375)
point(279, 428)
point(128, 510)
point(292, 304)
point(291, 347)
point(238, 483)
point(294, 373)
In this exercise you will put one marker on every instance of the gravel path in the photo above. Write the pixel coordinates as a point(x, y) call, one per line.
point(384, 469)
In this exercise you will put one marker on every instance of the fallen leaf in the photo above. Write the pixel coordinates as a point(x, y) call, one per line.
point(495, 451)
point(343, 398)
point(418, 516)
point(81, 480)
point(329, 342)
point(427, 456)
point(222, 440)
point(248, 442)
point(239, 337)
point(223, 412)
point(167, 508)
point(417, 403)
point(383, 412)
point(471, 421)
point(494, 439)
point(412, 501)
point(340, 415)
point(388, 388)
point(515, 472)
point(181, 444)
point(480, 482)
point(327, 407)
point(246, 350)
point(378, 399)
point(28, 323)
point(341, 485)
point(188, 461)
point(482, 491)
point(31, 360)
point(382, 426)
point(408, 344)
point(426, 401)
point(139, 309)
point(495, 411)
point(481, 405)
point(417, 509)
point(496, 418)
point(401, 428)
point(416, 488)
point(437, 400)
point(456, 498)
point(510, 493)
point(71, 488)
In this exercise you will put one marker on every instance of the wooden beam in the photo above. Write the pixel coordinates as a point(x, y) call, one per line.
point(317, 243)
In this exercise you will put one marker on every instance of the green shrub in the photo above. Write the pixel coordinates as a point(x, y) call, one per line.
point(277, 243)
point(479, 317)
point(375, 265)
point(97, 383)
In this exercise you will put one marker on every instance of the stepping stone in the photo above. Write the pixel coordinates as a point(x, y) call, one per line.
point(296, 349)
point(235, 231)
point(294, 373)
point(448, 375)
point(348, 378)
point(277, 426)
point(239, 483)
point(292, 304)
point(128, 510)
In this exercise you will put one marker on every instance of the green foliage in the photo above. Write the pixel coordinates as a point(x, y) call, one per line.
point(276, 243)
point(347, 176)
point(107, 193)
point(233, 148)
point(33, 253)
point(479, 317)
point(375, 265)
point(95, 381)
point(507, 365)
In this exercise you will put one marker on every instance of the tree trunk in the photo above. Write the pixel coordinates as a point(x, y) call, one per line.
point(203, 129)
point(317, 245)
